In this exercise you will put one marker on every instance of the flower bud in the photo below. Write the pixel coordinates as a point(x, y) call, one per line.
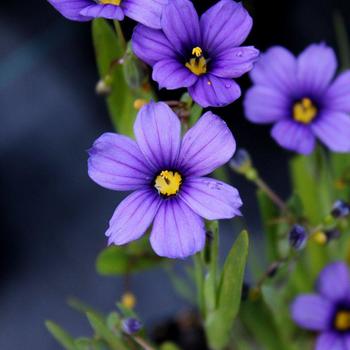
point(103, 87)
point(131, 325)
point(319, 237)
point(332, 234)
point(297, 237)
point(340, 209)
point(241, 161)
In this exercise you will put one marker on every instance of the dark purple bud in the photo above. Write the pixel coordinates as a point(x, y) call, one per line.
point(297, 237)
point(340, 209)
point(273, 268)
point(332, 234)
point(131, 325)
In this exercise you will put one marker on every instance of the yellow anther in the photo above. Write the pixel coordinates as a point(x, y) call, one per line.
point(128, 300)
point(110, 2)
point(168, 183)
point(139, 103)
point(342, 321)
point(197, 51)
point(197, 66)
point(319, 237)
point(304, 111)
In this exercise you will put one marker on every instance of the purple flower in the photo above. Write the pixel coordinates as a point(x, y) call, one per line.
point(328, 311)
point(167, 177)
point(203, 54)
point(300, 96)
point(147, 12)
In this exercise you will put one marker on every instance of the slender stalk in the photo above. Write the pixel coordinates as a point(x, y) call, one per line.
point(120, 34)
point(143, 343)
point(271, 194)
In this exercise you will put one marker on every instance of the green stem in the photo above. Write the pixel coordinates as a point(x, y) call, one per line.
point(120, 34)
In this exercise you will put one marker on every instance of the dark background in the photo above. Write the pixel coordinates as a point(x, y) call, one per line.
point(52, 216)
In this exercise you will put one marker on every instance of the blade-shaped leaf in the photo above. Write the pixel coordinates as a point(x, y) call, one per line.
point(61, 335)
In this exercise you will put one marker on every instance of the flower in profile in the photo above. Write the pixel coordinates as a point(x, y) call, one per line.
point(328, 311)
point(203, 55)
point(300, 96)
point(146, 12)
point(167, 175)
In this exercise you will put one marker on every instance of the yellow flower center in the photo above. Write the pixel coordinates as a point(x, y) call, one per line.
point(111, 2)
point(168, 183)
point(304, 111)
point(342, 321)
point(197, 64)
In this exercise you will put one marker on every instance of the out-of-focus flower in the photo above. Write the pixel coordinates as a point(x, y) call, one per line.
point(167, 177)
point(146, 12)
point(131, 325)
point(297, 237)
point(300, 96)
point(340, 209)
point(328, 311)
point(203, 55)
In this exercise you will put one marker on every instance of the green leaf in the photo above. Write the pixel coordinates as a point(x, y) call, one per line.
point(102, 330)
point(169, 346)
point(269, 213)
point(61, 335)
point(196, 112)
point(116, 260)
point(219, 323)
point(260, 322)
point(109, 49)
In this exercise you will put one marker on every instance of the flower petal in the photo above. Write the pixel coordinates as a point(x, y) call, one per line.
point(71, 8)
point(133, 216)
point(180, 24)
point(333, 129)
point(312, 312)
point(171, 74)
point(116, 162)
point(151, 45)
point(234, 62)
point(334, 282)
point(294, 136)
point(316, 68)
point(206, 146)
point(146, 12)
point(157, 130)
point(177, 231)
point(210, 90)
point(338, 95)
point(104, 11)
point(265, 105)
point(211, 199)
point(276, 68)
point(224, 26)
point(330, 341)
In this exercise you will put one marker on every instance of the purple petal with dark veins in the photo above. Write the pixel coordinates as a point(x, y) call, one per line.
point(177, 231)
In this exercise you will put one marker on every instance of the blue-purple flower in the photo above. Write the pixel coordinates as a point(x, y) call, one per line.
point(147, 12)
point(300, 95)
point(167, 175)
point(203, 55)
point(328, 311)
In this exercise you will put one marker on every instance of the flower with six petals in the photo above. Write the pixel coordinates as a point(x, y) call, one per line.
point(167, 175)
point(203, 55)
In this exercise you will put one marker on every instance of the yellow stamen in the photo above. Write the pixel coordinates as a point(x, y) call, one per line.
point(197, 66)
point(319, 237)
point(128, 300)
point(304, 111)
point(168, 182)
point(197, 51)
point(342, 321)
point(110, 2)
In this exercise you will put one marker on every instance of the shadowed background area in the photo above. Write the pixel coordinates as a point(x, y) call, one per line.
point(53, 216)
